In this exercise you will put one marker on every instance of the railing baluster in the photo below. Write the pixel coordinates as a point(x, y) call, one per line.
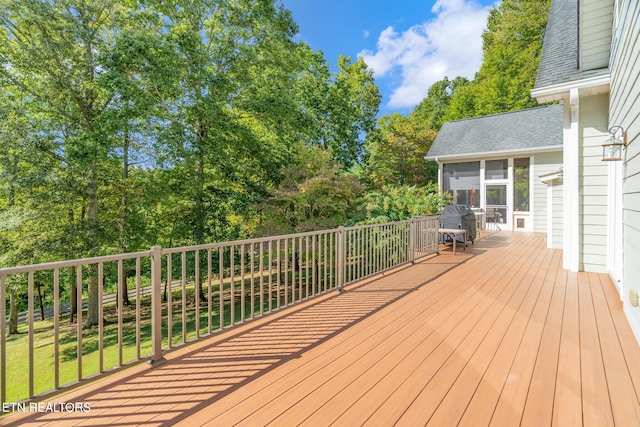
point(370, 260)
point(138, 297)
point(286, 270)
point(313, 265)
point(298, 262)
point(325, 270)
point(242, 284)
point(119, 305)
point(56, 328)
point(196, 292)
point(221, 290)
point(169, 286)
point(333, 268)
point(360, 254)
point(232, 299)
point(270, 275)
point(184, 295)
point(261, 272)
point(31, 333)
point(278, 272)
point(79, 318)
point(252, 277)
point(101, 315)
point(346, 255)
point(209, 291)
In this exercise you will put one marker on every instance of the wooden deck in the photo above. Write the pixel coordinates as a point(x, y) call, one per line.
point(498, 335)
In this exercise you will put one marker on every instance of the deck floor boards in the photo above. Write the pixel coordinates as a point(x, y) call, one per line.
point(498, 334)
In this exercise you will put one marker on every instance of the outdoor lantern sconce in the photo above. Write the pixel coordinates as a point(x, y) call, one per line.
point(612, 147)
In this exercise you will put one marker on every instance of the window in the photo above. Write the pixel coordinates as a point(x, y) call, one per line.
point(462, 181)
point(496, 169)
point(521, 185)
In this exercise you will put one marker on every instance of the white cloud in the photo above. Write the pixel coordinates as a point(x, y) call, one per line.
point(366, 34)
point(448, 45)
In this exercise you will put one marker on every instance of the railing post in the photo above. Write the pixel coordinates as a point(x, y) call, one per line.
point(341, 255)
point(156, 307)
point(412, 240)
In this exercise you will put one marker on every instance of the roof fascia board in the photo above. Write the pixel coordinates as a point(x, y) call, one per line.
point(561, 91)
point(547, 149)
point(551, 176)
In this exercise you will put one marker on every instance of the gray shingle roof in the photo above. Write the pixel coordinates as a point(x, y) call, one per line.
point(559, 59)
point(534, 128)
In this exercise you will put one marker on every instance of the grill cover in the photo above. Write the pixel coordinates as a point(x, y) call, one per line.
point(460, 217)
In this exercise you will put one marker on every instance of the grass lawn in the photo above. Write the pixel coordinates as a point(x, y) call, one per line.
point(17, 351)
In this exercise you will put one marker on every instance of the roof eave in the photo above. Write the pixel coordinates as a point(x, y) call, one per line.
point(547, 149)
point(557, 175)
point(588, 86)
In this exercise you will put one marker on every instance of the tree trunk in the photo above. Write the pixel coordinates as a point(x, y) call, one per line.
point(73, 294)
point(93, 242)
point(41, 300)
point(13, 312)
point(124, 210)
point(200, 208)
point(13, 296)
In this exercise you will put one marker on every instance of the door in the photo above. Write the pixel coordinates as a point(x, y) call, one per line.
point(497, 209)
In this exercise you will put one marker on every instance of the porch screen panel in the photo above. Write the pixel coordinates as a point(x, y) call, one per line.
point(462, 181)
point(496, 169)
point(521, 185)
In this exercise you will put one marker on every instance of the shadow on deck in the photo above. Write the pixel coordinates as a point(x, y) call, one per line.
point(498, 334)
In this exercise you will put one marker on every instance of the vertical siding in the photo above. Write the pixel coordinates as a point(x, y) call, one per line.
point(625, 111)
point(596, 17)
point(546, 163)
point(593, 183)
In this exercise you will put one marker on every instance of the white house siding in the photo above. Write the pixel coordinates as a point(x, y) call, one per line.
point(624, 110)
point(543, 164)
point(595, 33)
point(557, 213)
point(593, 183)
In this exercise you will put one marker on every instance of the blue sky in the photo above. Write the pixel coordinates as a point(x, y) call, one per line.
point(410, 44)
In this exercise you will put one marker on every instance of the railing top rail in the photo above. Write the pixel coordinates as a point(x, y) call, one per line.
point(71, 263)
point(108, 258)
point(217, 245)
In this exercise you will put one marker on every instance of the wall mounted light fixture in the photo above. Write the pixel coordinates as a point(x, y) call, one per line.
point(612, 147)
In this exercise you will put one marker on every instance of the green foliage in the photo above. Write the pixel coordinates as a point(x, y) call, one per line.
point(432, 111)
point(512, 44)
point(396, 152)
point(353, 104)
point(400, 203)
point(130, 124)
point(160, 123)
point(313, 194)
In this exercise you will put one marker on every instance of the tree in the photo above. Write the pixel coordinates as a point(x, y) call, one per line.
point(432, 110)
point(512, 44)
point(30, 203)
point(353, 102)
point(223, 139)
point(396, 152)
point(137, 67)
point(51, 51)
point(314, 194)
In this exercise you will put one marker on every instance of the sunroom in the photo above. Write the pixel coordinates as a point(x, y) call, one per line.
point(507, 167)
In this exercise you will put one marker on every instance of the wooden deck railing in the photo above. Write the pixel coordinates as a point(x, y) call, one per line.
point(212, 286)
